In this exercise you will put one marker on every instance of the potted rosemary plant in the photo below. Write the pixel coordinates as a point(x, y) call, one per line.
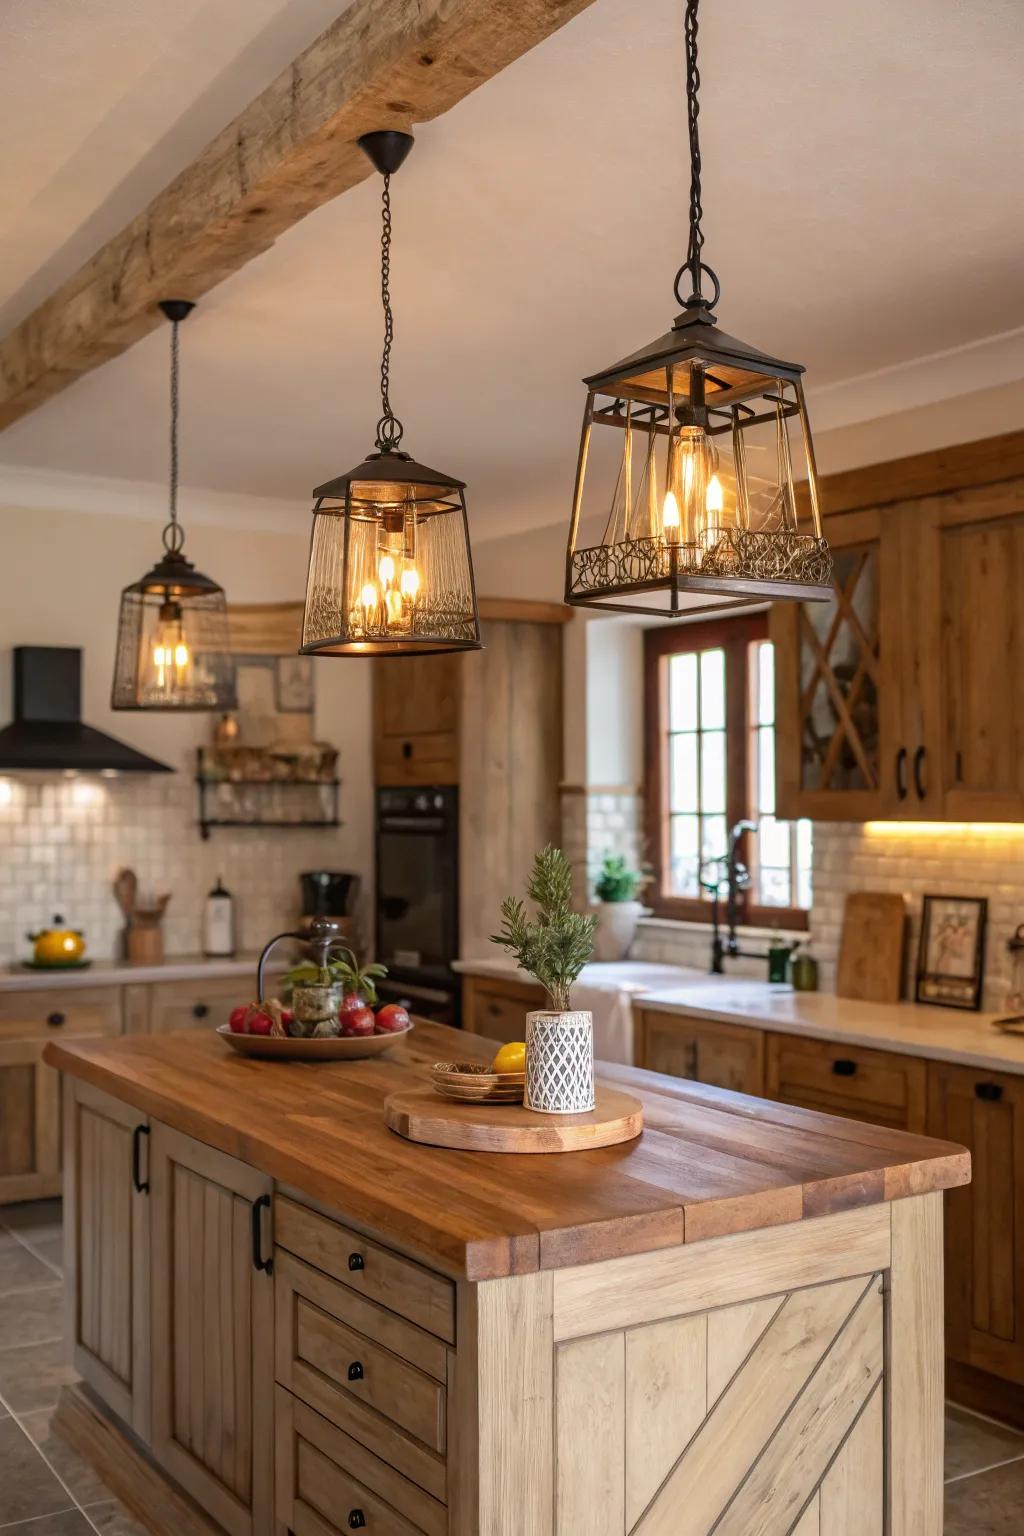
point(618, 910)
point(553, 947)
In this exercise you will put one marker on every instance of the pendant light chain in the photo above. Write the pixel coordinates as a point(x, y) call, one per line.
point(389, 428)
point(693, 263)
point(174, 535)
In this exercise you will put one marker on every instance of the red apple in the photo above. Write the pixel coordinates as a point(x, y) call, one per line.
point(392, 1019)
point(236, 1023)
point(259, 1023)
point(357, 1021)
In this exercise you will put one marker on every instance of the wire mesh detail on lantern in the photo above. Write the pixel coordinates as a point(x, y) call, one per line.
point(390, 569)
point(173, 647)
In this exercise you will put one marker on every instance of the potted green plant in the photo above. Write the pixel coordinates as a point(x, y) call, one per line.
point(553, 947)
point(618, 910)
point(323, 992)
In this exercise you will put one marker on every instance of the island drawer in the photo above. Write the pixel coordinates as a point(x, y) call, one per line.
point(60, 1010)
point(331, 1344)
point(328, 1483)
point(367, 1268)
point(881, 1087)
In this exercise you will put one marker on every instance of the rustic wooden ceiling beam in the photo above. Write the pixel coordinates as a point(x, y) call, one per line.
point(381, 64)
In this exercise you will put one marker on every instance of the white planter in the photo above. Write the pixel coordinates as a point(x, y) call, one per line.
point(616, 928)
point(559, 1063)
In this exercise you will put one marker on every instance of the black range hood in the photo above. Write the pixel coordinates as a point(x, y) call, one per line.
point(47, 730)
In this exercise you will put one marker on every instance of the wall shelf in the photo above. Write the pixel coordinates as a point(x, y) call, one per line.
point(255, 803)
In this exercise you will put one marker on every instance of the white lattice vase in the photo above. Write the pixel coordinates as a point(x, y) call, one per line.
point(559, 1063)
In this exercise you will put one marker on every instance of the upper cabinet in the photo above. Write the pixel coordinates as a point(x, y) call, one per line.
point(903, 697)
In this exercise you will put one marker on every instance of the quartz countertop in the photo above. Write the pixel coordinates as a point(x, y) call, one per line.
point(122, 973)
point(912, 1029)
point(707, 1164)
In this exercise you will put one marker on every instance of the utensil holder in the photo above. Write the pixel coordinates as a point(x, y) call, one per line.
point(559, 1063)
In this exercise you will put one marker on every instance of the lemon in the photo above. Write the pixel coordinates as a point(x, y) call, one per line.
point(511, 1057)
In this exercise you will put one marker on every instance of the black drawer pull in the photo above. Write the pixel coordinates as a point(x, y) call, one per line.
point(56, 1019)
point(406, 753)
point(844, 1067)
point(355, 1371)
point(356, 1520)
point(141, 1184)
point(990, 1092)
point(258, 1261)
point(200, 1010)
point(901, 774)
point(356, 1261)
point(919, 784)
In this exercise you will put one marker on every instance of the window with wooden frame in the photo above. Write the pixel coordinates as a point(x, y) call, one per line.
point(709, 691)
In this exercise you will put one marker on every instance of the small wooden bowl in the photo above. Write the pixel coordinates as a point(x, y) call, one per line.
point(473, 1083)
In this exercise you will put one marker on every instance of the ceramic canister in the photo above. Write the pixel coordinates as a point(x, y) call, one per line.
point(559, 1063)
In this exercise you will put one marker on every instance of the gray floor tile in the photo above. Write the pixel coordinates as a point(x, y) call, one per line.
point(29, 1317)
point(41, 1216)
point(973, 1443)
point(51, 1248)
point(114, 1520)
point(989, 1504)
point(32, 1375)
point(82, 1482)
point(27, 1486)
point(22, 1270)
point(71, 1523)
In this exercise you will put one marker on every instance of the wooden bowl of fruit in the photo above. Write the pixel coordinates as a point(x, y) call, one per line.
point(269, 1030)
point(471, 1082)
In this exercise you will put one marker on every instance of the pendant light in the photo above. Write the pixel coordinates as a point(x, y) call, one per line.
point(173, 650)
point(703, 509)
point(390, 567)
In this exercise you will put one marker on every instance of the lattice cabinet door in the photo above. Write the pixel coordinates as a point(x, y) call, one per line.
point(760, 1419)
point(838, 683)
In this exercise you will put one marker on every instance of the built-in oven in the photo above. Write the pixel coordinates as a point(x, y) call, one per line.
point(417, 898)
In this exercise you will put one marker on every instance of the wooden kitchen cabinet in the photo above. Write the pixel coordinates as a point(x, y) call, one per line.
point(496, 1006)
point(704, 1050)
point(184, 1004)
point(881, 1087)
point(29, 1122)
point(212, 1329)
point(416, 707)
point(984, 1111)
point(106, 1243)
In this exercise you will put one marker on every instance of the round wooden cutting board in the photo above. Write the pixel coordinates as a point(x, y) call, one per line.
point(419, 1114)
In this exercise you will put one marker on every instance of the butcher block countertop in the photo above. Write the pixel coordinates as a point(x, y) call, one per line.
point(708, 1163)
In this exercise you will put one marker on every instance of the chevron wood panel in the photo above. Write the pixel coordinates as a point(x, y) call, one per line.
point(758, 1419)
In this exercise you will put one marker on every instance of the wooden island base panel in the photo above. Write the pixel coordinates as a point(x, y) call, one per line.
point(289, 1319)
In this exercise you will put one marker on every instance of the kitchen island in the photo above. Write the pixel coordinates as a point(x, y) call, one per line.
point(289, 1319)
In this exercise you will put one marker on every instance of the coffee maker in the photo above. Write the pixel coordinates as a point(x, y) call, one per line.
point(330, 893)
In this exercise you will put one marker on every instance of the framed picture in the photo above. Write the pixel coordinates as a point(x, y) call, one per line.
point(295, 685)
point(951, 959)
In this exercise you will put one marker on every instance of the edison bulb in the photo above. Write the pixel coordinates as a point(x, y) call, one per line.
point(386, 570)
point(714, 501)
point(368, 597)
point(670, 517)
point(410, 583)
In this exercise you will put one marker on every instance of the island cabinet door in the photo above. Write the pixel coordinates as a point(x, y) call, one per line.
point(212, 1330)
point(984, 1112)
point(106, 1242)
point(723, 1055)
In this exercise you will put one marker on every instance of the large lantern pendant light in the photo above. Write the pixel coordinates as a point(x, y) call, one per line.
point(173, 650)
point(390, 567)
point(714, 428)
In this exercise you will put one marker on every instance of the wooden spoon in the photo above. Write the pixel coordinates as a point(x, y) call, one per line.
point(126, 890)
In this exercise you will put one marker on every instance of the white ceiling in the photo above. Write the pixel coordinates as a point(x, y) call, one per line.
point(863, 210)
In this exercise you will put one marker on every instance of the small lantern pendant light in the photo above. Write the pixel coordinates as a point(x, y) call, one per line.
point(713, 515)
point(173, 650)
point(390, 567)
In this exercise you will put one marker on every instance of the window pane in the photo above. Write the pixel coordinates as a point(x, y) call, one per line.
point(774, 885)
point(683, 876)
point(712, 772)
point(804, 862)
point(713, 837)
point(682, 690)
point(684, 793)
point(765, 683)
point(773, 843)
point(765, 739)
point(712, 690)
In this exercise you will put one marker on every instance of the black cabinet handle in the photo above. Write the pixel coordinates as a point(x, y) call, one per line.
point(356, 1520)
point(919, 784)
point(200, 1010)
point(356, 1261)
point(406, 753)
point(990, 1092)
point(901, 774)
point(55, 1019)
point(844, 1067)
point(141, 1184)
point(258, 1261)
point(355, 1371)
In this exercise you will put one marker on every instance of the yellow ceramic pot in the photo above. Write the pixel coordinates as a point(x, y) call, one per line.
point(57, 945)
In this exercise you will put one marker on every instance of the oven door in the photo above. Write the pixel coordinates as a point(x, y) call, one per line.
point(417, 880)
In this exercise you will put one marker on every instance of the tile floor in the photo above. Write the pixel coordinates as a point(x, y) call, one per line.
point(47, 1490)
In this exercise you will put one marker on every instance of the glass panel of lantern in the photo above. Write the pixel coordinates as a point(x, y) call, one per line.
point(390, 570)
point(701, 456)
point(173, 645)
